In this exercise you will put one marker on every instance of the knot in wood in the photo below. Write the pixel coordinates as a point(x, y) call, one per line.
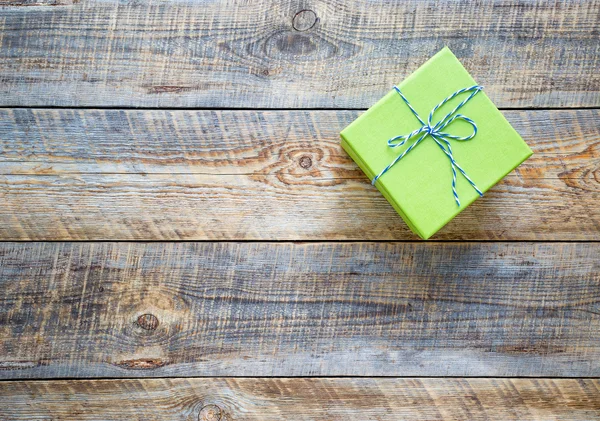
point(305, 162)
point(304, 20)
point(210, 413)
point(147, 321)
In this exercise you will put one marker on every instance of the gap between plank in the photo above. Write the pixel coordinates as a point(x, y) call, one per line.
point(67, 379)
point(65, 107)
point(333, 241)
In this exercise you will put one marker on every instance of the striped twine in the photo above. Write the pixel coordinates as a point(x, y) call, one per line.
point(436, 133)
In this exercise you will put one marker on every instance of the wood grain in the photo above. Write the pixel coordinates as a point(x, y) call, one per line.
point(265, 54)
point(301, 399)
point(263, 175)
point(293, 309)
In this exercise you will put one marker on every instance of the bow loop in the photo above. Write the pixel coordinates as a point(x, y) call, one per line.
point(463, 118)
point(474, 90)
point(435, 131)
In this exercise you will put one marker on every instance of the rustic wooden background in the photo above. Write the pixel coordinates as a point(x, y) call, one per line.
point(184, 239)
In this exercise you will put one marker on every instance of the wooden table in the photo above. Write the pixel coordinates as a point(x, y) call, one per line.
point(183, 237)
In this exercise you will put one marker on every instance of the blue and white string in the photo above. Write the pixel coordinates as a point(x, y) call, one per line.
point(435, 131)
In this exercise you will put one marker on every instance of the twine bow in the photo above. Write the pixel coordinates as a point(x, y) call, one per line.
point(436, 133)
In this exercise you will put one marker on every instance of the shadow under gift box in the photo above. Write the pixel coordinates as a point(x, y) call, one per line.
point(419, 186)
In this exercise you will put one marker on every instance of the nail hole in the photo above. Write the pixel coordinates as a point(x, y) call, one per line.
point(304, 20)
point(305, 162)
point(147, 321)
point(210, 413)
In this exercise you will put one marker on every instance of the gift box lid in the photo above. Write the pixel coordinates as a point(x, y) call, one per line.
point(419, 186)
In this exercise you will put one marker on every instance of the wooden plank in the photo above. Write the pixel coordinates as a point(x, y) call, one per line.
point(301, 399)
point(247, 175)
point(293, 309)
point(284, 53)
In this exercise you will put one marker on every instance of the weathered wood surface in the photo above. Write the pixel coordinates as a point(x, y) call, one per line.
point(293, 309)
point(272, 175)
point(268, 53)
point(301, 399)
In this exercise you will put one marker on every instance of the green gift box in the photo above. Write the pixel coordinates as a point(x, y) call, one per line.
point(419, 185)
